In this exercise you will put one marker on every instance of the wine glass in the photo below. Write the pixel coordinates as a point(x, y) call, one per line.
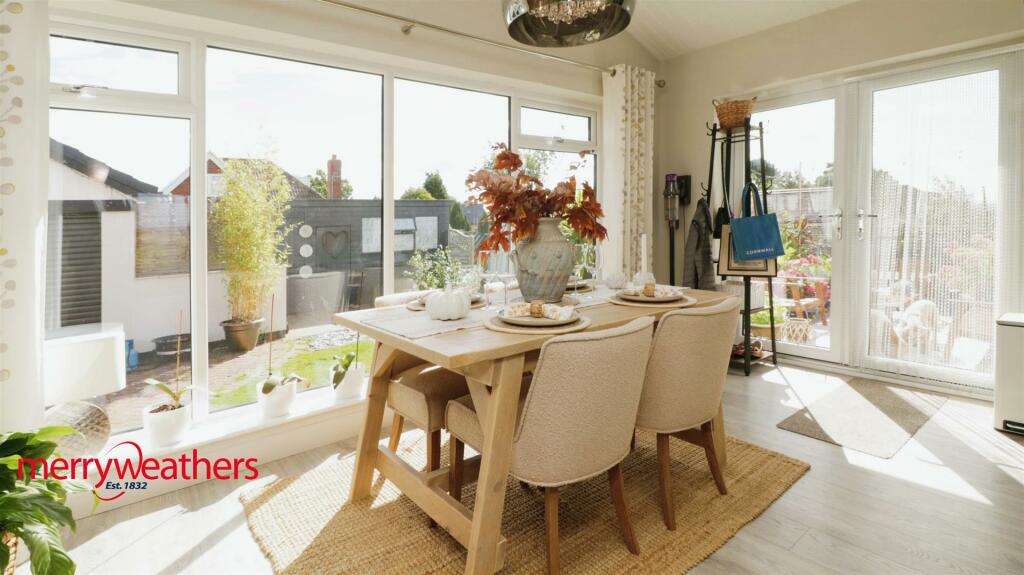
point(581, 255)
point(592, 265)
point(506, 271)
point(488, 271)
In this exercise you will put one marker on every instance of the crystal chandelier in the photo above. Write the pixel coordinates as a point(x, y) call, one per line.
point(553, 23)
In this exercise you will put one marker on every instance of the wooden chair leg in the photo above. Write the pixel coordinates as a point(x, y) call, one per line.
point(619, 499)
point(396, 432)
point(668, 507)
point(632, 442)
point(709, 449)
point(433, 459)
point(457, 450)
point(551, 524)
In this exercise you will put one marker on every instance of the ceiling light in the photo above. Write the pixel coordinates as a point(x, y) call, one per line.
point(557, 23)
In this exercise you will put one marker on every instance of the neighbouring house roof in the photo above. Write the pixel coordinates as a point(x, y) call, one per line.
point(92, 168)
point(215, 165)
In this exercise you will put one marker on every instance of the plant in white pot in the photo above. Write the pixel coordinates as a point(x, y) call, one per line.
point(249, 230)
point(523, 212)
point(276, 393)
point(167, 421)
point(348, 377)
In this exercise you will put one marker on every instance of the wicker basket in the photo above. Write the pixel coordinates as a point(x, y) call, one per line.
point(733, 113)
point(11, 542)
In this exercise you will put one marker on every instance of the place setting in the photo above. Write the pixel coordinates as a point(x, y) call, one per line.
point(538, 317)
point(643, 291)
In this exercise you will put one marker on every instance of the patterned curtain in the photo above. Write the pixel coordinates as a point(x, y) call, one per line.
point(629, 165)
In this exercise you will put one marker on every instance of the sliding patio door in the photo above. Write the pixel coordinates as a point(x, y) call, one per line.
point(926, 225)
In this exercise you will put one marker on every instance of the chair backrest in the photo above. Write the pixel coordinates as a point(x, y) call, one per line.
point(399, 298)
point(579, 413)
point(688, 365)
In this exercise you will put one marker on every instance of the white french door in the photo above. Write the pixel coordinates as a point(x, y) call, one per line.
point(899, 201)
point(935, 171)
point(806, 191)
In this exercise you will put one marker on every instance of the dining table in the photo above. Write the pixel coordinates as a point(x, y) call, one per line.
point(493, 364)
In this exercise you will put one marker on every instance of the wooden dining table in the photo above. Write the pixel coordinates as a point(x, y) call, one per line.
point(494, 364)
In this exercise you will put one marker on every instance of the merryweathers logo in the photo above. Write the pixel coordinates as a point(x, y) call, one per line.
point(125, 469)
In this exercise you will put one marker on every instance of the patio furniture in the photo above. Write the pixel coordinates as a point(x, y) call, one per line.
point(575, 422)
point(802, 305)
point(682, 394)
point(493, 364)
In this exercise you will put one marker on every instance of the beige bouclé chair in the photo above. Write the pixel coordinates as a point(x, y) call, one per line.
point(420, 392)
point(575, 420)
point(683, 390)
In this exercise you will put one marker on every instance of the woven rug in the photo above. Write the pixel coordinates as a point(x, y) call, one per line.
point(866, 415)
point(305, 524)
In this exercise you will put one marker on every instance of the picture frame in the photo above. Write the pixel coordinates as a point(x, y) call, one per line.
point(728, 265)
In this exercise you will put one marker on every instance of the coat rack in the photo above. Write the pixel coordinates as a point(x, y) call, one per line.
point(727, 138)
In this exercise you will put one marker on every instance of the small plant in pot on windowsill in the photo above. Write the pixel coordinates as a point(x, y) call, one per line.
point(524, 213)
point(347, 377)
point(276, 393)
point(166, 422)
point(248, 223)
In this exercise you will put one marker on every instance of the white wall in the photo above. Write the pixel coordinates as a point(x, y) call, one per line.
point(820, 50)
point(148, 306)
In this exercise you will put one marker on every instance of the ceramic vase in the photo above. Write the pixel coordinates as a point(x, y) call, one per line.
point(165, 427)
point(544, 263)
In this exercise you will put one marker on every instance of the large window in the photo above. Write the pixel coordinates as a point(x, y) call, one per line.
point(442, 135)
point(317, 130)
point(277, 174)
point(117, 260)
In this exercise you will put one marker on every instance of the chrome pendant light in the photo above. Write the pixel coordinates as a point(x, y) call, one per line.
point(558, 23)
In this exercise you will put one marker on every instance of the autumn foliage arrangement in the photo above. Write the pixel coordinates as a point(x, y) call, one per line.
point(516, 202)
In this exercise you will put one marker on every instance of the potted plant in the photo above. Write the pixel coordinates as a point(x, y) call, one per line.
point(34, 510)
point(347, 377)
point(761, 324)
point(166, 422)
point(276, 393)
point(524, 213)
point(433, 269)
point(248, 223)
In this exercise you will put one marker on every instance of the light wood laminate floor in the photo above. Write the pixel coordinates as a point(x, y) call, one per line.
point(951, 501)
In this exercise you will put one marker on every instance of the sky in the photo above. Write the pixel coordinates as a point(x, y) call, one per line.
point(294, 113)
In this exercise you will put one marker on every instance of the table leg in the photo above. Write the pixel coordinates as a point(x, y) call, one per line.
point(496, 458)
point(369, 435)
point(718, 430)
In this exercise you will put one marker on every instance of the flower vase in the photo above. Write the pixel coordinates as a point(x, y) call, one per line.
point(544, 263)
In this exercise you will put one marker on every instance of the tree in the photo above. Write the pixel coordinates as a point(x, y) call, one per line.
point(457, 218)
point(824, 180)
point(318, 183)
point(435, 185)
point(417, 194)
point(536, 163)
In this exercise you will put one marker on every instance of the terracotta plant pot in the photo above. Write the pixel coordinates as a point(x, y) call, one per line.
point(165, 427)
point(544, 263)
point(11, 542)
point(242, 335)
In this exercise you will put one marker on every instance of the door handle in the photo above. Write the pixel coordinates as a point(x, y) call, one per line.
point(837, 217)
point(860, 222)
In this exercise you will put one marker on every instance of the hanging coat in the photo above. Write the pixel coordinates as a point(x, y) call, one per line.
point(698, 270)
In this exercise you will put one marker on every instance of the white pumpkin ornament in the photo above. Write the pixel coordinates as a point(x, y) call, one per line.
point(449, 304)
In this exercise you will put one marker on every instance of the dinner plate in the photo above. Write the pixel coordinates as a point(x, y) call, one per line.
point(644, 299)
point(530, 321)
point(475, 302)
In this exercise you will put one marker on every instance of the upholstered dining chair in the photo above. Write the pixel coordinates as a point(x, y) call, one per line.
point(420, 393)
point(575, 420)
point(684, 383)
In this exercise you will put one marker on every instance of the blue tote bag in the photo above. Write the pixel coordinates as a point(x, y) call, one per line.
point(755, 237)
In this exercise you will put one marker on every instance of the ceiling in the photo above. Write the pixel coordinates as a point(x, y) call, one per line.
point(667, 28)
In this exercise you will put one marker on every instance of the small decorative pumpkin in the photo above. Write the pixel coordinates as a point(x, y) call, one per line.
point(448, 305)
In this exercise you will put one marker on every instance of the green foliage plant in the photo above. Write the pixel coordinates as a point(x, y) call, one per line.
point(248, 223)
point(434, 269)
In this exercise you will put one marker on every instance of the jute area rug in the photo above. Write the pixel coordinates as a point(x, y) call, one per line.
point(305, 524)
point(866, 415)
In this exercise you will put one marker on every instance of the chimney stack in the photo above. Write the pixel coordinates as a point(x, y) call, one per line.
point(334, 178)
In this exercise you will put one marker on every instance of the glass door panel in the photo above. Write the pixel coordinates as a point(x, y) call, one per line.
point(928, 229)
point(799, 149)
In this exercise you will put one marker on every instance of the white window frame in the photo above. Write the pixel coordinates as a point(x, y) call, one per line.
point(189, 104)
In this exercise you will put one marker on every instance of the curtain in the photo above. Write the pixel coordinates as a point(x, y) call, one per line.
point(23, 125)
point(628, 166)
